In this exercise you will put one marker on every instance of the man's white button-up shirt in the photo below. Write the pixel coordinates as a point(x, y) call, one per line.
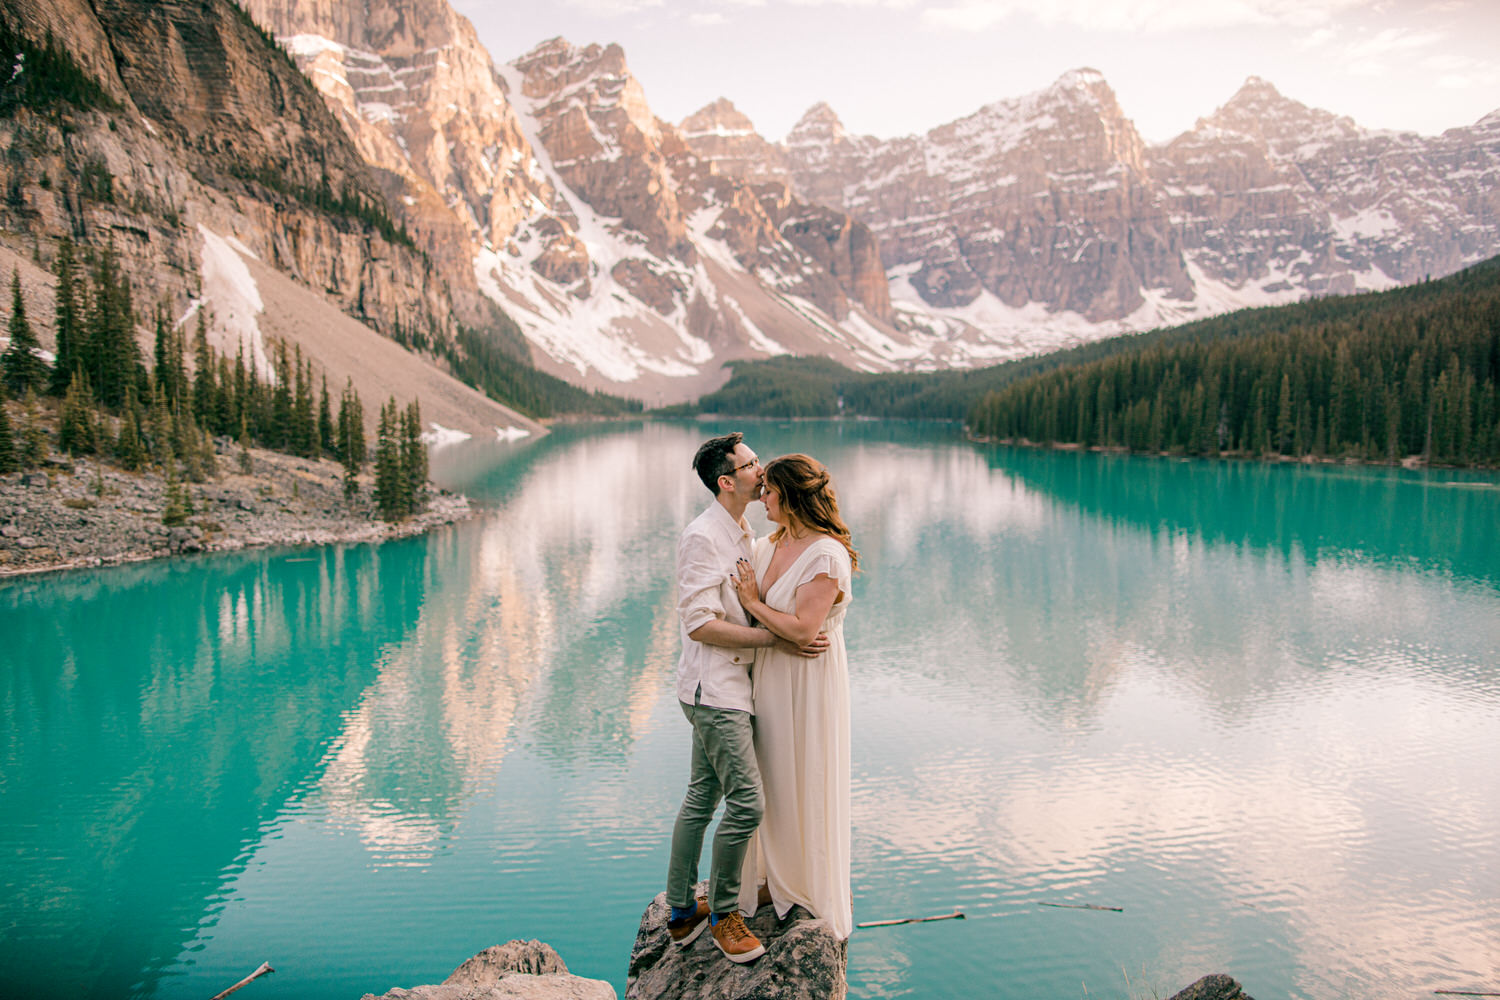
point(706, 555)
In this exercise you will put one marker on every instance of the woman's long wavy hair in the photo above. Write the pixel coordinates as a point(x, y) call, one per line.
point(807, 498)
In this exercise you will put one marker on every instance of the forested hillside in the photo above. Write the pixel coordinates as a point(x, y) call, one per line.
point(1409, 372)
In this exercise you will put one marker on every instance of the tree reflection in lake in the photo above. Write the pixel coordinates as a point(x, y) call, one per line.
point(1251, 702)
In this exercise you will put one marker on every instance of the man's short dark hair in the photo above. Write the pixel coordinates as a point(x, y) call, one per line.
point(714, 459)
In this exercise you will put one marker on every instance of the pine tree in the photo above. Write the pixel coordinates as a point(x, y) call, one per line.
point(33, 441)
point(177, 507)
point(10, 454)
point(171, 374)
point(205, 384)
point(159, 427)
point(186, 445)
point(208, 458)
point(390, 493)
point(304, 422)
point(1286, 422)
point(111, 356)
point(226, 417)
point(130, 450)
point(77, 429)
point(68, 312)
point(22, 364)
point(351, 438)
point(325, 420)
point(413, 459)
point(279, 429)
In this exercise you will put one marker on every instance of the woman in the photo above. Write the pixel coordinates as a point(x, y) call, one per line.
point(799, 586)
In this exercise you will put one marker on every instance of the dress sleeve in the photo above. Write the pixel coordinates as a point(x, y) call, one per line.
point(829, 559)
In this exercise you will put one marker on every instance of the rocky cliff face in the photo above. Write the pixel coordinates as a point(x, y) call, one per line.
point(719, 132)
point(1269, 194)
point(1045, 219)
point(1044, 199)
point(418, 96)
point(551, 186)
point(215, 129)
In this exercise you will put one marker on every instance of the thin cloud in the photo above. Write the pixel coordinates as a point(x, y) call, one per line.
point(1138, 15)
point(1452, 72)
point(1371, 56)
point(612, 8)
point(1316, 38)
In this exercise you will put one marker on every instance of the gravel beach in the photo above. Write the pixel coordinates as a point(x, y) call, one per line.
point(78, 513)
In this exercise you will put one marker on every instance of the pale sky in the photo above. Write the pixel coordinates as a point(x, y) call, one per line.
point(902, 67)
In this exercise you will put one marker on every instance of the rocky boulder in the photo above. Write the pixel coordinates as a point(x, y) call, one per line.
point(803, 961)
point(1215, 987)
point(516, 970)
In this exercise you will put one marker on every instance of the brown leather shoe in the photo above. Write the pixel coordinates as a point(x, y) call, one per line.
point(685, 932)
point(735, 940)
point(763, 896)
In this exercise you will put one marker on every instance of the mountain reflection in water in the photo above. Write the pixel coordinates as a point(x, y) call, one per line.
point(1254, 705)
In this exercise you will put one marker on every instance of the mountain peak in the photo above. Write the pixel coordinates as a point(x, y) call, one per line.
point(1082, 83)
point(1078, 79)
point(720, 118)
point(1260, 112)
point(818, 123)
point(1257, 86)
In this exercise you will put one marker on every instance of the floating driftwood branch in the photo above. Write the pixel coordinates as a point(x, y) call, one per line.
point(955, 915)
point(1084, 906)
point(265, 967)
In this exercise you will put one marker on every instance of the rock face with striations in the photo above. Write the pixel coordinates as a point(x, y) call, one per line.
point(417, 93)
point(516, 970)
point(1043, 198)
point(214, 128)
point(1269, 193)
point(803, 961)
point(548, 184)
point(721, 133)
point(1054, 200)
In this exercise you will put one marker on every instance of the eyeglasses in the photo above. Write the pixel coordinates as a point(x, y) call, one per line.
point(739, 468)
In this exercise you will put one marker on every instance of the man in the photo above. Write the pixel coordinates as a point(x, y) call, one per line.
point(713, 686)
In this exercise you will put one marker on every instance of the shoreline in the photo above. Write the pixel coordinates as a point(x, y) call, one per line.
point(84, 514)
point(1409, 462)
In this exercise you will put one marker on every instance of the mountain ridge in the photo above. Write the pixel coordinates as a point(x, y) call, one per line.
point(1218, 217)
point(542, 202)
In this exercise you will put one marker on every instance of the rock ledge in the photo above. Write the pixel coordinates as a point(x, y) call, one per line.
point(803, 961)
point(516, 970)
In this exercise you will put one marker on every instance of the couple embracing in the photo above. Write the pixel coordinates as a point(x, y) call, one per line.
point(764, 682)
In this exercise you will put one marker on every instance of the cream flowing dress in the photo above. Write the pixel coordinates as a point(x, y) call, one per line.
point(802, 744)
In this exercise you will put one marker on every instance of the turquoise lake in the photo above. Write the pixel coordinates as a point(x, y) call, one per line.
point(1254, 707)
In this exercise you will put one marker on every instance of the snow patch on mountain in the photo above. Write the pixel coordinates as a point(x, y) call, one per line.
point(235, 298)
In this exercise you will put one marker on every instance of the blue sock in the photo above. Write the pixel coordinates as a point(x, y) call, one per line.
point(684, 912)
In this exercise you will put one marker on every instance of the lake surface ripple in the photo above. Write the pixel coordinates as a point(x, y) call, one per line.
point(1254, 708)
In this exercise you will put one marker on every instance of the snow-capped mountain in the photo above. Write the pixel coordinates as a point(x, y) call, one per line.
point(637, 256)
point(1046, 216)
point(630, 263)
point(1271, 197)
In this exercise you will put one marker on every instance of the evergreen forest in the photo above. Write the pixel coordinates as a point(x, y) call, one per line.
point(167, 415)
point(1378, 378)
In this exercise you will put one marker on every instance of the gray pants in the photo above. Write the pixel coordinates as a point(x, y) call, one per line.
point(723, 767)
